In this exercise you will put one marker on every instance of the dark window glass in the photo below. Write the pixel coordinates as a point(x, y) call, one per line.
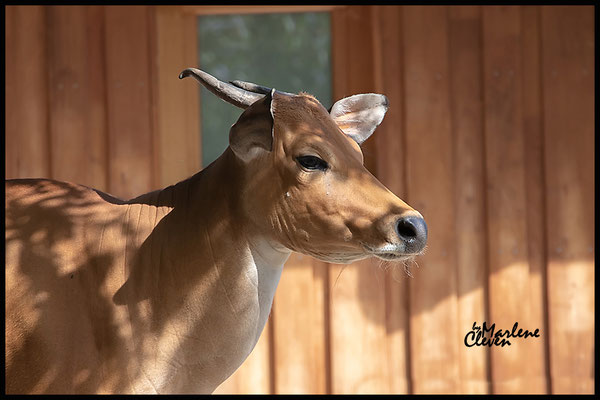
point(290, 52)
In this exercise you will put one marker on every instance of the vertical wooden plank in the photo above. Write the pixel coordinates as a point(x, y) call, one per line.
point(388, 69)
point(299, 327)
point(568, 87)
point(360, 77)
point(510, 296)
point(339, 56)
point(433, 304)
point(534, 187)
point(390, 150)
point(357, 298)
point(76, 95)
point(26, 102)
point(358, 336)
point(469, 212)
point(192, 97)
point(128, 99)
point(177, 102)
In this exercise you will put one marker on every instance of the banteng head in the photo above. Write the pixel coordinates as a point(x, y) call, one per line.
point(309, 190)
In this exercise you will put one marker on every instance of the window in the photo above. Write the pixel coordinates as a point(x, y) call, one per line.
point(290, 52)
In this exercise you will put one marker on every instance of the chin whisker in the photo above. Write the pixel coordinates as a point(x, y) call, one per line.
point(407, 264)
point(338, 277)
point(399, 268)
point(384, 265)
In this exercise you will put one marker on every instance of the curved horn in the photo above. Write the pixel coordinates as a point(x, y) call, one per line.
point(253, 87)
point(234, 95)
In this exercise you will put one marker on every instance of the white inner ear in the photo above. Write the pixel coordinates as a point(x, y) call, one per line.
point(250, 154)
point(359, 115)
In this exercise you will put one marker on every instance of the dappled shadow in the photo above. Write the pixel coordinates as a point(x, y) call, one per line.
point(97, 286)
point(50, 294)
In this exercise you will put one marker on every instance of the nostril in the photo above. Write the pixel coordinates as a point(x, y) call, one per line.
point(406, 229)
point(413, 232)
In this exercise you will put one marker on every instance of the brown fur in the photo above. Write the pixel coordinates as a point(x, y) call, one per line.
point(164, 293)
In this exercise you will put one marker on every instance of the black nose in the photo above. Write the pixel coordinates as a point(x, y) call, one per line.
point(413, 232)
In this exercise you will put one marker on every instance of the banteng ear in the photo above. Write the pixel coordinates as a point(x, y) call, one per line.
point(358, 116)
point(253, 131)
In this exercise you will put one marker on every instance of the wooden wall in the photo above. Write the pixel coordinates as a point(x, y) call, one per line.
point(490, 135)
point(92, 96)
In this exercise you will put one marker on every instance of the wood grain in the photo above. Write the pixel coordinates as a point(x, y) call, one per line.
point(27, 139)
point(534, 190)
point(506, 203)
point(568, 87)
point(299, 327)
point(177, 102)
point(469, 180)
point(76, 95)
point(128, 94)
point(433, 302)
point(339, 55)
point(390, 168)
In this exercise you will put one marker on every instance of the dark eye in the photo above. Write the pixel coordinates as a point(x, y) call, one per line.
point(312, 162)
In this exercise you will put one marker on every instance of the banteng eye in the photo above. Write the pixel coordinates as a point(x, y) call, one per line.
point(312, 162)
